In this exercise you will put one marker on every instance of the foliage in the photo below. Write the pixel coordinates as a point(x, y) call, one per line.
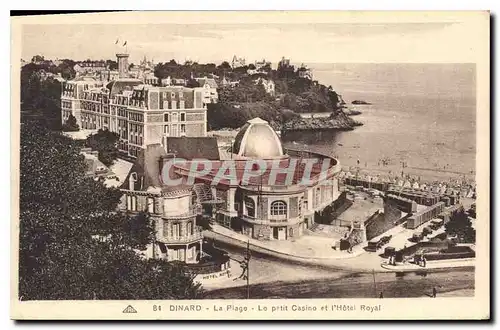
point(461, 226)
point(112, 65)
point(70, 125)
point(73, 242)
point(105, 142)
point(246, 91)
point(41, 95)
point(223, 115)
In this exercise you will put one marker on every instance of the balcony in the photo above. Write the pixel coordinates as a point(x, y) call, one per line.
point(196, 236)
point(272, 221)
point(191, 212)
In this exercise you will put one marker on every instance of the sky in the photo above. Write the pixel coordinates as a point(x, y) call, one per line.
point(324, 42)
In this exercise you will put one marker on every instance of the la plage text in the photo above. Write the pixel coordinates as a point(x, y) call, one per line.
point(278, 308)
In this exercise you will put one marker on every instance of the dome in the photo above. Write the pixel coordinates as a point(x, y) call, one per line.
point(257, 140)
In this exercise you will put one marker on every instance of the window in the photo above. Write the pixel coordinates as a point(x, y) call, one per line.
point(166, 130)
point(250, 207)
point(190, 228)
point(183, 116)
point(165, 117)
point(317, 197)
point(131, 203)
point(174, 117)
point(183, 128)
point(176, 230)
point(278, 208)
point(151, 205)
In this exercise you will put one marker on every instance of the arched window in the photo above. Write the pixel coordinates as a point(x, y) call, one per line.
point(250, 207)
point(165, 117)
point(279, 209)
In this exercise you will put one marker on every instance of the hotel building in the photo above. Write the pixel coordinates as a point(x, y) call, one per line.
point(141, 114)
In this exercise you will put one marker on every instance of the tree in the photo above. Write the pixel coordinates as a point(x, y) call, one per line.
point(105, 142)
point(112, 65)
point(192, 83)
point(41, 98)
point(37, 59)
point(66, 69)
point(461, 226)
point(70, 125)
point(74, 243)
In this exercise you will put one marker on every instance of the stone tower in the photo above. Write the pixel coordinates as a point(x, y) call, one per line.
point(122, 60)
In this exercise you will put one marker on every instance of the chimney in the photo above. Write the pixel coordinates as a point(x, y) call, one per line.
point(122, 60)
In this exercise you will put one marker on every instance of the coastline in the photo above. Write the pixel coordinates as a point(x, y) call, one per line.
point(372, 169)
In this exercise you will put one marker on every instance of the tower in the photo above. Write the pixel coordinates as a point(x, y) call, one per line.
point(122, 60)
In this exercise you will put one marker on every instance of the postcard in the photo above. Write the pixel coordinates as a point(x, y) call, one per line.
point(251, 165)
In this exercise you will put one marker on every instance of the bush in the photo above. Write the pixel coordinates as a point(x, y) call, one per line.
point(70, 125)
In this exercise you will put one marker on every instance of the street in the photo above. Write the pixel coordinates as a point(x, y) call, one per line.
point(278, 278)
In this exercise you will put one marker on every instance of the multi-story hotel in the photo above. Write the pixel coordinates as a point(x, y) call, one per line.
point(141, 114)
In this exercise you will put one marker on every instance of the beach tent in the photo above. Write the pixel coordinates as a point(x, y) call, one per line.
point(415, 185)
point(407, 184)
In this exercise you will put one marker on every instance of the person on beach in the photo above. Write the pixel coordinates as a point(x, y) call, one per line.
point(381, 295)
point(434, 292)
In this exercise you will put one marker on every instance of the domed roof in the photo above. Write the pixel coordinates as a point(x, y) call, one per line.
point(257, 140)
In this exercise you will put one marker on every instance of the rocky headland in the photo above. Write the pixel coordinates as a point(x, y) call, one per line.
point(336, 121)
point(360, 102)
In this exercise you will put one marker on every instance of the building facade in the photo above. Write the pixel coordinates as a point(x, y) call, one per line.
point(173, 210)
point(268, 85)
point(263, 208)
point(140, 114)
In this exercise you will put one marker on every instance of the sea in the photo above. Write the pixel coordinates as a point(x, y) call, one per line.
point(423, 115)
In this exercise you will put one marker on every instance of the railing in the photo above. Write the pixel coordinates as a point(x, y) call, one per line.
point(197, 235)
point(192, 211)
point(272, 221)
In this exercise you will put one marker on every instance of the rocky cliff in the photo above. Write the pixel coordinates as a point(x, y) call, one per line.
point(336, 121)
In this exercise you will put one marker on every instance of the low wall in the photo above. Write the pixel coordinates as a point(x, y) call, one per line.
point(213, 276)
point(427, 246)
point(378, 224)
point(215, 261)
point(332, 211)
point(404, 204)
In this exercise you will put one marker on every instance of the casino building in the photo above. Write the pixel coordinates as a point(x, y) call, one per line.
point(267, 206)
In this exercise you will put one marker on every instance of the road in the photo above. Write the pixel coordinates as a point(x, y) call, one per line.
point(277, 278)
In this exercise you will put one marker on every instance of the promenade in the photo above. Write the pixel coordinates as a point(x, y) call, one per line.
point(437, 264)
